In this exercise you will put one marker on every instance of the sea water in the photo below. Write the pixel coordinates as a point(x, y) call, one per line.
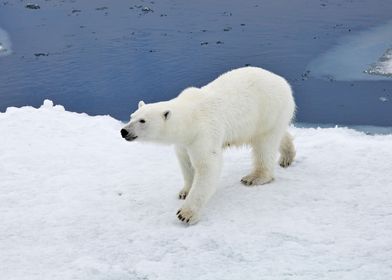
point(102, 57)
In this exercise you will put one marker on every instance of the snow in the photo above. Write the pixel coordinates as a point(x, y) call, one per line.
point(78, 202)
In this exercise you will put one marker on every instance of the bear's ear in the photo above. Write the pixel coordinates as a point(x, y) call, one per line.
point(141, 103)
point(166, 115)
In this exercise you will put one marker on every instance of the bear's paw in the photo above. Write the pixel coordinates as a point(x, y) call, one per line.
point(187, 215)
point(254, 179)
point(183, 193)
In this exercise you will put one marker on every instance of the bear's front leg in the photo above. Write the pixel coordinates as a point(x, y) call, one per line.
point(186, 169)
point(207, 165)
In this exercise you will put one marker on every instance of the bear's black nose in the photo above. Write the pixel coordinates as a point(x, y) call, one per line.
point(124, 133)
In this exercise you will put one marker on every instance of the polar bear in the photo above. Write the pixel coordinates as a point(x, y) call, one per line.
point(246, 106)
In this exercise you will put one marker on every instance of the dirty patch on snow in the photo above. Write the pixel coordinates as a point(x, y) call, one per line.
point(78, 202)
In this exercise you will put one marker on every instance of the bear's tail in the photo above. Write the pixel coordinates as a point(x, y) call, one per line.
point(287, 150)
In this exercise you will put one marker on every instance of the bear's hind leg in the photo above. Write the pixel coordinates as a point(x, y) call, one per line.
point(264, 150)
point(287, 150)
point(187, 171)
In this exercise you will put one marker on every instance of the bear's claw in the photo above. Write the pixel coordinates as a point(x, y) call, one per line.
point(187, 216)
point(285, 162)
point(246, 182)
point(182, 195)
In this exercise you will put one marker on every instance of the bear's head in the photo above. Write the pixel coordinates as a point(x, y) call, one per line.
point(148, 123)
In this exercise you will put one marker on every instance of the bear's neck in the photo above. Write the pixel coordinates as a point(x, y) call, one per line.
point(181, 127)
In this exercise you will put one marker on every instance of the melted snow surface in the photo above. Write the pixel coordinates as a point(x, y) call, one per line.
point(78, 202)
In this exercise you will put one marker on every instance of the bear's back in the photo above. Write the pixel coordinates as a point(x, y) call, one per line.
point(240, 79)
point(246, 101)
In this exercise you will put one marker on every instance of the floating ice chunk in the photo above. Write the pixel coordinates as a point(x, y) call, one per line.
point(383, 66)
point(5, 43)
point(33, 6)
point(147, 9)
point(353, 58)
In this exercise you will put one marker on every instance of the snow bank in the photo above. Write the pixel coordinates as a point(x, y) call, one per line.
point(78, 202)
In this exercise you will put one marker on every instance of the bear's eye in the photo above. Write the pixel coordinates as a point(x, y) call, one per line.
point(142, 121)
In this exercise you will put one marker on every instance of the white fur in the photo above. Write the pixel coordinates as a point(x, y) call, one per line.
point(246, 106)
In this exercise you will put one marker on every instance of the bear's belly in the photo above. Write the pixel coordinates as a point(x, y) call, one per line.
point(237, 143)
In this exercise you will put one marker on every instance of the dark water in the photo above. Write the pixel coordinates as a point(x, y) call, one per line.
point(102, 61)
